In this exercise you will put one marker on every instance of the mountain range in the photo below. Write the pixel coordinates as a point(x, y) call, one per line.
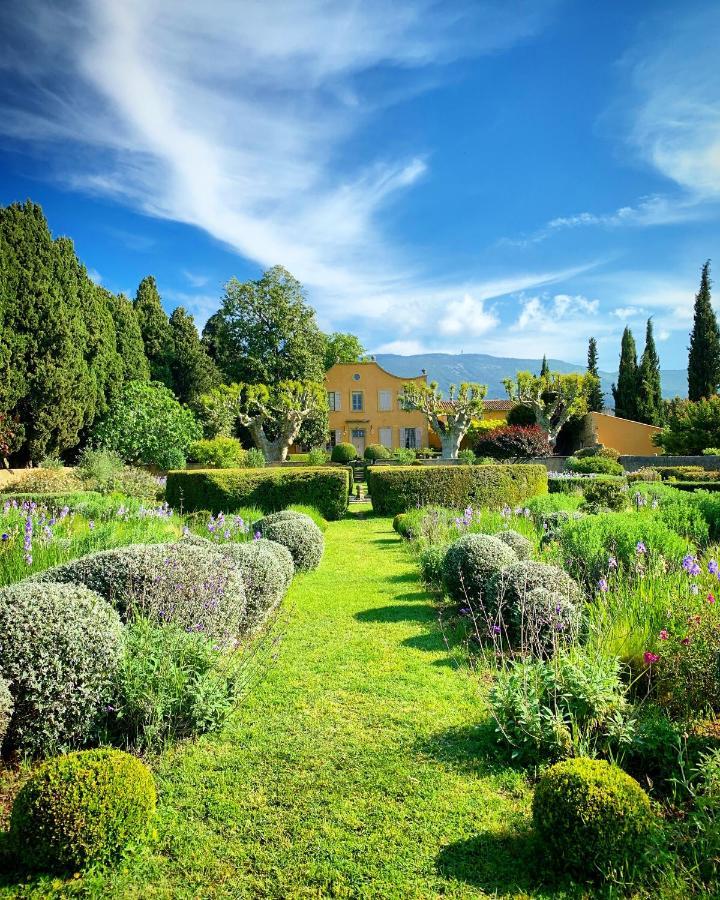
point(454, 368)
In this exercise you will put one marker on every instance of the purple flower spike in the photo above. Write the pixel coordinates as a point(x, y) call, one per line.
point(603, 585)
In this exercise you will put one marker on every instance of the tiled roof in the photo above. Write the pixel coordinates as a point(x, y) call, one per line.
point(490, 405)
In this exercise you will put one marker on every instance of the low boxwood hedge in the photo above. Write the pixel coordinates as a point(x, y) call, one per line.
point(573, 485)
point(225, 490)
point(396, 489)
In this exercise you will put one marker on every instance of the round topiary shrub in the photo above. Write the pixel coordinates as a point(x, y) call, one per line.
point(343, 453)
point(82, 808)
point(302, 538)
point(60, 650)
point(509, 592)
point(191, 583)
point(267, 569)
point(591, 817)
point(471, 561)
point(6, 709)
point(594, 465)
point(542, 622)
point(376, 451)
point(519, 543)
point(401, 524)
point(284, 515)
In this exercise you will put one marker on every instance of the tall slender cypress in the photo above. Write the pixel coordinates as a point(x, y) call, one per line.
point(704, 355)
point(155, 329)
point(625, 392)
point(193, 372)
point(596, 397)
point(649, 389)
point(545, 368)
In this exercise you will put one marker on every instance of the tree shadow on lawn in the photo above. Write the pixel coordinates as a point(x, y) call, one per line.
point(408, 612)
point(469, 748)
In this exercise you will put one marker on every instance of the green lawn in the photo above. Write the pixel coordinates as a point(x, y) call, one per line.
point(350, 771)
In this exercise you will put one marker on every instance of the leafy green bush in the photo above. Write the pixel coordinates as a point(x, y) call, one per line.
point(44, 481)
point(679, 510)
point(690, 427)
point(217, 453)
point(518, 542)
point(593, 819)
point(596, 465)
point(61, 645)
point(686, 473)
point(569, 484)
point(404, 455)
point(172, 684)
point(395, 489)
point(471, 561)
point(401, 524)
point(194, 585)
point(302, 538)
point(647, 473)
point(431, 560)
point(266, 575)
point(318, 457)
point(569, 705)
point(343, 453)
point(600, 495)
point(521, 415)
point(467, 457)
point(51, 462)
point(686, 676)
point(6, 709)
point(597, 450)
point(137, 483)
point(550, 503)
point(711, 451)
point(98, 469)
point(83, 808)
point(146, 425)
point(507, 591)
point(255, 458)
point(226, 490)
point(376, 451)
point(631, 538)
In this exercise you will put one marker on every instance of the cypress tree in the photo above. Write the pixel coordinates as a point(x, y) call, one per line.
point(544, 368)
point(193, 372)
point(155, 330)
point(625, 392)
point(596, 397)
point(704, 355)
point(128, 338)
point(649, 390)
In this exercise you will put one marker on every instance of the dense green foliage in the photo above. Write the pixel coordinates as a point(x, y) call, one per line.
point(128, 338)
point(596, 398)
point(343, 453)
point(649, 390)
point(326, 488)
point(704, 356)
point(374, 452)
point(691, 427)
point(61, 645)
point(395, 489)
point(592, 818)
point(299, 534)
point(192, 372)
point(471, 561)
point(625, 392)
point(593, 465)
point(82, 808)
point(341, 347)
point(155, 330)
point(267, 568)
point(147, 425)
point(218, 452)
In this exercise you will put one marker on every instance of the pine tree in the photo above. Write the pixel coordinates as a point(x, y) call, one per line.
point(704, 355)
point(155, 329)
point(128, 338)
point(545, 368)
point(649, 389)
point(193, 372)
point(596, 397)
point(625, 392)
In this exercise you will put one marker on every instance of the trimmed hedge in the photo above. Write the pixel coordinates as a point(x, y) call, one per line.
point(326, 488)
point(396, 489)
point(82, 808)
point(574, 485)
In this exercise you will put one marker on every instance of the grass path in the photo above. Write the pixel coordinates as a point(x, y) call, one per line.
point(348, 772)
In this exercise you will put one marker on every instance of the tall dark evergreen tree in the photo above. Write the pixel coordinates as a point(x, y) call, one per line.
point(649, 388)
point(193, 372)
point(155, 329)
point(544, 368)
point(625, 392)
point(704, 356)
point(596, 398)
point(128, 338)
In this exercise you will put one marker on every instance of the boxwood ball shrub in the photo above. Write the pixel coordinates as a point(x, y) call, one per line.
point(267, 575)
point(190, 583)
point(6, 709)
point(82, 808)
point(218, 452)
point(284, 515)
point(302, 538)
point(401, 524)
point(376, 451)
point(227, 490)
point(591, 817)
point(518, 542)
point(599, 465)
point(396, 489)
point(343, 453)
point(471, 561)
point(60, 648)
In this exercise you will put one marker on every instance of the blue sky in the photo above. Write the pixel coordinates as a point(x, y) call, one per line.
point(500, 177)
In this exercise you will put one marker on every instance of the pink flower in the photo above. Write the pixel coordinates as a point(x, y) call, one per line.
point(650, 658)
point(664, 635)
point(710, 598)
point(685, 641)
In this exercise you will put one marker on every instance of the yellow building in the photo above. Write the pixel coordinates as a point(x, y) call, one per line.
point(629, 438)
point(364, 408)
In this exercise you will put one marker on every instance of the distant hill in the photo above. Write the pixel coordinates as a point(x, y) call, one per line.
point(449, 368)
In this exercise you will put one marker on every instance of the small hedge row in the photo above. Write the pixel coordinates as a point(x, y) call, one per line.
point(396, 489)
point(574, 485)
point(225, 490)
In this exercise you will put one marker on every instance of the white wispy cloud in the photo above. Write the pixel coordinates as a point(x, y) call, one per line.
point(236, 118)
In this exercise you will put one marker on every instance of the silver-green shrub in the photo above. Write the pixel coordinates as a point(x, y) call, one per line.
point(6, 708)
point(299, 534)
point(471, 561)
point(543, 621)
point(267, 569)
point(518, 542)
point(285, 515)
point(61, 648)
point(193, 585)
